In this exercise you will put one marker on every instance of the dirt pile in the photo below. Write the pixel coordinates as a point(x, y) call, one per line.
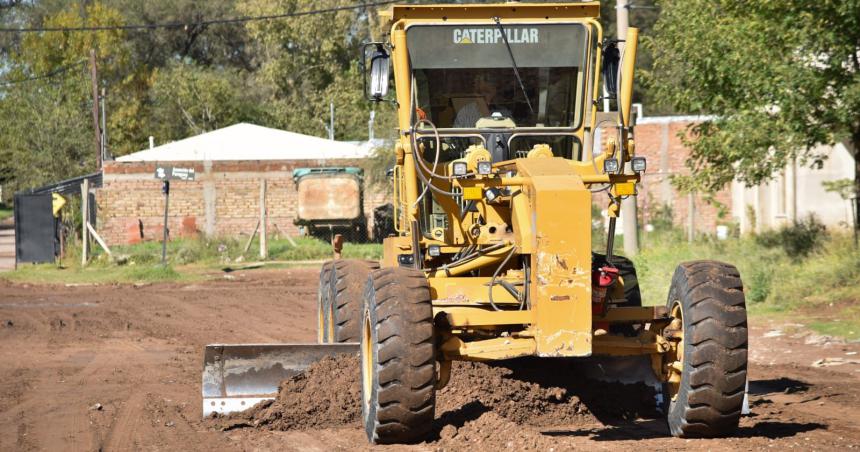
point(526, 392)
point(501, 389)
point(327, 395)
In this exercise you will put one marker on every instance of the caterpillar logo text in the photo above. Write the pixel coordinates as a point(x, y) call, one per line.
point(494, 36)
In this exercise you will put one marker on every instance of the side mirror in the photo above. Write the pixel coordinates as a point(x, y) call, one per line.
point(611, 61)
point(379, 72)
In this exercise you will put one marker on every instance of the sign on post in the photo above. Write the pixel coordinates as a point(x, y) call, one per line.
point(171, 173)
point(167, 174)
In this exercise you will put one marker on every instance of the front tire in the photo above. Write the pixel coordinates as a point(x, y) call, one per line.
point(398, 366)
point(707, 369)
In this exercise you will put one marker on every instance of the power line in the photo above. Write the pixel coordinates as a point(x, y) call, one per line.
point(50, 74)
point(234, 20)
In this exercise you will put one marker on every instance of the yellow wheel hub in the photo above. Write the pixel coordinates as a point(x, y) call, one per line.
point(320, 325)
point(366, 361)
point(674, 360)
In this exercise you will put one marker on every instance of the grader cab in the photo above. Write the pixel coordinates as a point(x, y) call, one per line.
point(497, 168)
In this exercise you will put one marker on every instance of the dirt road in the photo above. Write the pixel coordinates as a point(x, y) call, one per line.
point(118, 368)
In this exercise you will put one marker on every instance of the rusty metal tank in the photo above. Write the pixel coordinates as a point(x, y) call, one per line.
point(330, 200)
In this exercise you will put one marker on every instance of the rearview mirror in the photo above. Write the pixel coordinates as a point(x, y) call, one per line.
point(379, 73)
point(611, 60)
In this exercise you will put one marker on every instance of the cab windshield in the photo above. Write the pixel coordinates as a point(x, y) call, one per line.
point(464, 75)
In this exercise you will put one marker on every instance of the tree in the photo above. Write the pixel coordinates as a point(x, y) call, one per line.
point(779, 77)
point(201, 99)
point(46, 132)
point(310, 61)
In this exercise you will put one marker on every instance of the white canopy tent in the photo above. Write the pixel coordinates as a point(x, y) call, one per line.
point(249, 142)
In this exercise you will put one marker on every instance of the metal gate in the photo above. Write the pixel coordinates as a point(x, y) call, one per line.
point(36, 236)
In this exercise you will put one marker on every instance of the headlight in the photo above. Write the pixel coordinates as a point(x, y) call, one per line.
point(610, 165)
point(485, 167)
point(434, 250)
point(460, 168)
point(638, 164)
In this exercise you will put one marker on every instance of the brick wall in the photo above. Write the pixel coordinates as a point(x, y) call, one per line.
point(224, 200)
point(657, 139)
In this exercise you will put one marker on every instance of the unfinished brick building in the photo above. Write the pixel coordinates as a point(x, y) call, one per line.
point(224, 198)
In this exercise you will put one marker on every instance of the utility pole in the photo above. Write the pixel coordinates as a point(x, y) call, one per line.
point(94, 76)
point(104, 135)
point(331, 121)
point(628, 206)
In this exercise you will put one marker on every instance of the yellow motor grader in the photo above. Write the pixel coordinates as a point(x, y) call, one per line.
point(496, 168)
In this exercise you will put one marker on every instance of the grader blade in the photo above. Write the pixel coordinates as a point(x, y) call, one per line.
point(238, 376)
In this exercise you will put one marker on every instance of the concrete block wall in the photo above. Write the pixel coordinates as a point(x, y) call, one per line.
point(658, 140)
point(224, 200)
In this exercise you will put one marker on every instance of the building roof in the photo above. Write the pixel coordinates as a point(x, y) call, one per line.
point(245, 141)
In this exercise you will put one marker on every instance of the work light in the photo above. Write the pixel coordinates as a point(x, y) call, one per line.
point(610, 165)
point(638, 164)
point(492, 194)
point(485, 167)
point(434, 250)
point(460, 168)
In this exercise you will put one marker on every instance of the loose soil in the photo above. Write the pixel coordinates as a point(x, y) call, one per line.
point(117, 367)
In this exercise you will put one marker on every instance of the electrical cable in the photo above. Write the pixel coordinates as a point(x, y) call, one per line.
point(466, 258)
point(427, 182)
point(233, 20)
point(496, 275)
point(46, 75)
point(435, 160)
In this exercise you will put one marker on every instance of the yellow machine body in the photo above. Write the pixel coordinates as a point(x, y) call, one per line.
point(541, 214)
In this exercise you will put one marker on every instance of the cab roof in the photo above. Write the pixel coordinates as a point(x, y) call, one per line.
point(512, 10)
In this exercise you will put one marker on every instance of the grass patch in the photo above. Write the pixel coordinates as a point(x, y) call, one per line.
point(846, 328)
point(5, 212)
point(229, 250)
point(187, 259)
point(100, 274)
point(777, 279)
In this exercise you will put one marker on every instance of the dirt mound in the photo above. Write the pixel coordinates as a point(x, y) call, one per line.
point(526, 392)
point(327, 395)
point(500, 389)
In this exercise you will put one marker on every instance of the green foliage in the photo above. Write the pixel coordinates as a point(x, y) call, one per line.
point(662, 218)
point(758, 285)
point(773, 279)
point(780, 77)
point(175, 82)
point(98, 274)
point(5, 212)
point(201, 99)
point(230, 251)
point(798, 239)
point(843, 187)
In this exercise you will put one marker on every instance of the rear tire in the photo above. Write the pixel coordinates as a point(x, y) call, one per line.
point(348, 280)
point(709, 299)
point(398, 363)
point(324, 304)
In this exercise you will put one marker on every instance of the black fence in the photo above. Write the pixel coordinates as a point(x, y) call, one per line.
point(37, 238)
point(37, 231)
